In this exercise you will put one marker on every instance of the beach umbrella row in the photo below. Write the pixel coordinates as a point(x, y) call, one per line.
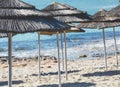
point(63, 15)
point(19, 17)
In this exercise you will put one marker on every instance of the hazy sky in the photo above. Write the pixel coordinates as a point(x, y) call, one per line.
point(91, 6)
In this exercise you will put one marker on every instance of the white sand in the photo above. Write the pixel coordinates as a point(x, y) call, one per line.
point(81, 73)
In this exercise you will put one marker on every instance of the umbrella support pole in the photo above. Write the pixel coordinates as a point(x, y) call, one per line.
point(105, 53)
point(39, 60)
point(58, 50)
point(115, 47)
point(62, 52)
point(10, 59)
point(66, 73)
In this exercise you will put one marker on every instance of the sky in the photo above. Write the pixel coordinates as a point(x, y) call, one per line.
point(91, 6)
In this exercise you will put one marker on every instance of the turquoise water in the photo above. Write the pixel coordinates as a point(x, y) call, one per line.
point(89, 43)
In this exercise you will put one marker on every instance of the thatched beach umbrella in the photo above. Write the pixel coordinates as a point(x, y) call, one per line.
point(104, 16)
point(19, 17)
point(67, 13)
point(102, 19)
point(98, 25)
point(116, 10)
point(58, 6)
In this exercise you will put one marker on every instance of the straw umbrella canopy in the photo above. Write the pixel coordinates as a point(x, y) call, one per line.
point(99, 25)
point(115, 10)
point(104, 16)
point(58, 6)
point(19, 17)
point(102, 19)
point(71, 19)
point(67, 13)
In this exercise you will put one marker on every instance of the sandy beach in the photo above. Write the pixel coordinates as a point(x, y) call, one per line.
point(81, 73)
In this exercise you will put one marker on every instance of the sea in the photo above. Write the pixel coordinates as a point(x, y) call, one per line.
point(89, 43)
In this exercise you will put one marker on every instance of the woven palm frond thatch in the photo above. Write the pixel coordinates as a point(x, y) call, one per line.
point(102, 19)
point(31, 25)
point(71, 19)
point(103, 15)
point(19, 8)
point(26, 19)
point(23, 13)
point(58, 6)
point(16, 4)
point(115, 10)
point(98, 25)
point(64, 11)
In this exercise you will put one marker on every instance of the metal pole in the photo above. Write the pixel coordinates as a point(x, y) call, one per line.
point(62, 52)
point(39, 60)
point(59, 73)
point(10, 59)
point(115, 47)
point(66, 73)
point(105, 53)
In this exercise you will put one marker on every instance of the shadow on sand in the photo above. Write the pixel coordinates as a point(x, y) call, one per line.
point(105, 73)
point(56, 73)
point(76, 84)
point(4, 83)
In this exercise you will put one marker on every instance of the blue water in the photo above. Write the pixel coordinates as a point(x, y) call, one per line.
point(89, 43)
